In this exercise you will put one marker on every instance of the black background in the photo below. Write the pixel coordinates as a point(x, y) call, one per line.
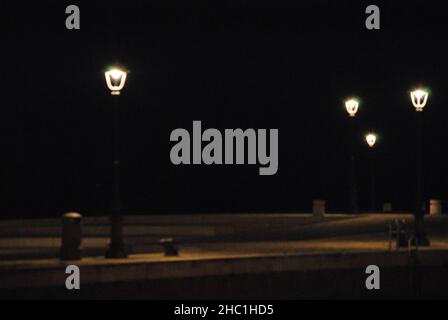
point(247, 64)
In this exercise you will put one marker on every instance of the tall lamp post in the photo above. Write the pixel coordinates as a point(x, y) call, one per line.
point(115, 79)
point(419, 98)
point(371, 140)
point(352, 106)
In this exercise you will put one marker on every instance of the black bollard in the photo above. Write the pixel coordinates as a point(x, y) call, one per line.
point(169, 247)
point(71, 236)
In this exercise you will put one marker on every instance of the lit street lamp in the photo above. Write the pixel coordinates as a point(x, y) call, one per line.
point(371, 140)
point(419, 99)
point(115, 79)
point(352, 106)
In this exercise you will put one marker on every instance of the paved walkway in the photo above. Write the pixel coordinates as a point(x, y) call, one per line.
point(235, 250)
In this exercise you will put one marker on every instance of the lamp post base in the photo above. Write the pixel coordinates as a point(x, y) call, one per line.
point(116, 251)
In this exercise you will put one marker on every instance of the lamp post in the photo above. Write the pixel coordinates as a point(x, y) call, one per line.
point(371, 140)
point(419, 98)
point(352, 106)
point(115, 79)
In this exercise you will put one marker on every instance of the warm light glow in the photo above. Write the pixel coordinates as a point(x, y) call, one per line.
point(116, 74)
point(352, 106)
point(419, 98)
point(115, 79)
point(371, 139)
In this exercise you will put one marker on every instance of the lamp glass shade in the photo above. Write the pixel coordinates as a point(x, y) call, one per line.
point(419, 99)
point(371, 139)
point(115, 79)
point(352, 105)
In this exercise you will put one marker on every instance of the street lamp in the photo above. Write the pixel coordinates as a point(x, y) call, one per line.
point(371, 140)
point(115, 79)
point(352, 106)
point(419, 98)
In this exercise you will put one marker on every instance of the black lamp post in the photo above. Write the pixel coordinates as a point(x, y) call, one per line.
point(352, 105)
point(371, 140)
point(419, 98)
point(115, 80)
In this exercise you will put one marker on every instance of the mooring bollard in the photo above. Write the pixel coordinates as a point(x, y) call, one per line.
point(71, 236)
point(169, 247)
point(435, 206)
point(318, 208)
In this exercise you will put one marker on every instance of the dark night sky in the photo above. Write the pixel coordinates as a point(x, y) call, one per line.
point(247, 64)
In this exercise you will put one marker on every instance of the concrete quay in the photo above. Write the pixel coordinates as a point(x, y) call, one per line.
point(30, 239)
point(152, 270)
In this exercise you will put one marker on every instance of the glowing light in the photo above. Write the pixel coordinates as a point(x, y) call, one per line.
point(116, 74)
point(115, 79)
point(371, 139)
point(352, 105)
point(419, 98)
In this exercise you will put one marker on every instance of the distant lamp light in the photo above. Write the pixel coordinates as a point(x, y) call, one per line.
point(352, 106)
point(371, 139)
point(115, 79)
point(419, 98)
